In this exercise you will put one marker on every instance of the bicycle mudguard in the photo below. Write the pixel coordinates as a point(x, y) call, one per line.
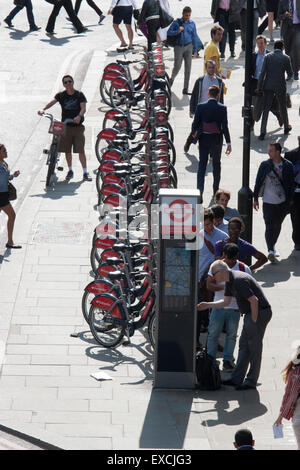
point(106, 228)
point(110, 253)
point(114, 66)
point(108, 134)
point(105, 242)
point(116, 200)
point(106, 302)
point(101, 286)
point(121, 83)
point(111, 75)
point(113, 178)
point(111, 188)
point(107, 166)
point(105, 268)
point(113, 155)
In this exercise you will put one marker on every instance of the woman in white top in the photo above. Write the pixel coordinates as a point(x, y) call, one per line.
point(122, 11)
point(162, 32)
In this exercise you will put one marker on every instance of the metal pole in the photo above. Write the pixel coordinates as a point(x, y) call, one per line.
point(245, 193)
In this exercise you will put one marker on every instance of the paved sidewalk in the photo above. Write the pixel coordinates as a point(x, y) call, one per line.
point(45, 384)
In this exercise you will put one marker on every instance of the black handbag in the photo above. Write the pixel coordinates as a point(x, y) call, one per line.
point(12, 192)
point(164, 17)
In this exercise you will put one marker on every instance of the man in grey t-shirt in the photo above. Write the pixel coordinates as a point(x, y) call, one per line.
point(257, 313)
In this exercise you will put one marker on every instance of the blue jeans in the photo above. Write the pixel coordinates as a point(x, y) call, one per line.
point(216, 322)
point(28, 6)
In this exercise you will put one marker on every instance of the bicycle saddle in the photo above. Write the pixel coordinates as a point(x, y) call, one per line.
point(120, 247)
point(116, 275)
point(113, 261)
point(124, 62)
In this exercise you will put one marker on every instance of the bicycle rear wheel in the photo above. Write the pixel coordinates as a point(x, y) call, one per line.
point(52, 163)
point(103, 329)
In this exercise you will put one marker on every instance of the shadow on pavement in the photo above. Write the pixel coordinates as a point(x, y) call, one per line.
point(61, 189)
point(18, 35)
point(53, 41)
point(271, 274)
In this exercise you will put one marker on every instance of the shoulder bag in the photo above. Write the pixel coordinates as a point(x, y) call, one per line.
point(12, 192)
point(164, 17)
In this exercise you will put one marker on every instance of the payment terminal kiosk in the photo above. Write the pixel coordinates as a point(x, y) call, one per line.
point(175, 347)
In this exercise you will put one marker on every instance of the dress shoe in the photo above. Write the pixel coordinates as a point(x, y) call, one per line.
point(35, 28)
point(245, 386)
point(185, 91)
point(228, 382)
point(296, 76)
point(262, 137)
point(280, 121)
point(8, 22)
point(222, 56)
point(288, 129)
point(83, 30)
point(232, 54)
point(50, 32)
point(228, 366)
point(186, 147)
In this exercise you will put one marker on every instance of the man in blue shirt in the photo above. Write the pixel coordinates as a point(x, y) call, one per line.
point(186, 46)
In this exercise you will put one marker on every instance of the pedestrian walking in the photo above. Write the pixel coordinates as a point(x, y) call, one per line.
point(5, 205)
point(150, 15)
point(227, 14)
point(92, 5)
point(210, 235)
point(294, 157)
point(209, 125)
point(290, 405)
point(257, 313)
point(222, 196)
point(227, 316)
point(275, 184)
point(211, 51)
point(122, 11)
point(185, 47)
point(259, 11)
point(246, 249)
point(256, 66)
point(272, 9)
point(289, 15)
point(200, 93)
point(20, 4)
point(73, 105)
point(272, 83)
point(243, 440)
point(67, 4)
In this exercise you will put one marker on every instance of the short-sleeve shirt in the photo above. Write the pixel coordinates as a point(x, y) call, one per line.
point(70, 104)
point(242, 286)
point(205, 255)
point(245, 249)
point(210, 51)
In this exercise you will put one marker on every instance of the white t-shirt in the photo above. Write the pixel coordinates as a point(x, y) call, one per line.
point(219, 294)
point(273, 189)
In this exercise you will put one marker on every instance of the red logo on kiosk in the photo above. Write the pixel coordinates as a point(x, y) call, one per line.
point(180, 211)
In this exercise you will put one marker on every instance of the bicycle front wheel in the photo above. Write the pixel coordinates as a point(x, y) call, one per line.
point(52, 163)
point(103, 329)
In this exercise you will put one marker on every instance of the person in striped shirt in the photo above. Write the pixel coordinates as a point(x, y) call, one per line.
point(290, 405)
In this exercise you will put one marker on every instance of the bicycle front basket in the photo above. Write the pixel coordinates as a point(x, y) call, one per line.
point(57, 128)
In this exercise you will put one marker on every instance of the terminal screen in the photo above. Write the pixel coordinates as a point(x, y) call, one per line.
point(177, 278)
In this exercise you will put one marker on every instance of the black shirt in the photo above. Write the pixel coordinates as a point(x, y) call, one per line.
point(70, 104)
point(242, 286)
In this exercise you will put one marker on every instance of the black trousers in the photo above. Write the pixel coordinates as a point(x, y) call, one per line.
point(67, 4)
point(152, 26)
point(295, 218)
point(274, 215)
point(209, 144)
point(269, 96)
point(90, 3)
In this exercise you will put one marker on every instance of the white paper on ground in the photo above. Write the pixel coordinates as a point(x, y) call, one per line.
point(277, 431)
point(101, 375)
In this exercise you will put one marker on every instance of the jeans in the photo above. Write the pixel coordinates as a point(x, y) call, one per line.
point(90, 3)
point(209, 144)
point(67, 4)
point(183, 53)
point(274, 215)
point(28, 6)
point(250, 348)
point(216, 322)
point(222, 17)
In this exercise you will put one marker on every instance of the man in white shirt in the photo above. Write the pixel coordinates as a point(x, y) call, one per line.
point(122, 10)
point(228, 316)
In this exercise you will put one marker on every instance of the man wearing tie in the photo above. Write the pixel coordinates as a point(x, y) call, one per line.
point(209, 125)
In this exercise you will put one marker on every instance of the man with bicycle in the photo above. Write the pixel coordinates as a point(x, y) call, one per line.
point(73, 105)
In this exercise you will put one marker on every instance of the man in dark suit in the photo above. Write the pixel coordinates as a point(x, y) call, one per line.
point(289, 15)
point(259, 11)
point(209, 125)
point(294, 157)
point(272, 82)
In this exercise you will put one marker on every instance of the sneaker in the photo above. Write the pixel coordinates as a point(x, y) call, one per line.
point(86, 177)
point(276, 254)
point(101, 19)
point(70, 175)
point(8, 22)
point(271, 256)
point(35, 28)
point(228, 366)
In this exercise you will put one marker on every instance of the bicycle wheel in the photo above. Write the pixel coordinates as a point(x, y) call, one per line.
point(104, 91)
point(52, 163)
point(152, 329)
point(86, 304)
point(172, 152)
point(103, 328)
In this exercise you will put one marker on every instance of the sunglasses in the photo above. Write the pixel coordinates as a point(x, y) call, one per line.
point(68, 81)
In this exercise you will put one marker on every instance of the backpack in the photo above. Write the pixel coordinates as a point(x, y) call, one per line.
point(171, 40)
point(207, 371)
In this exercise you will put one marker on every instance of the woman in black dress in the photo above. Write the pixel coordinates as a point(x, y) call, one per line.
point(5, 205)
